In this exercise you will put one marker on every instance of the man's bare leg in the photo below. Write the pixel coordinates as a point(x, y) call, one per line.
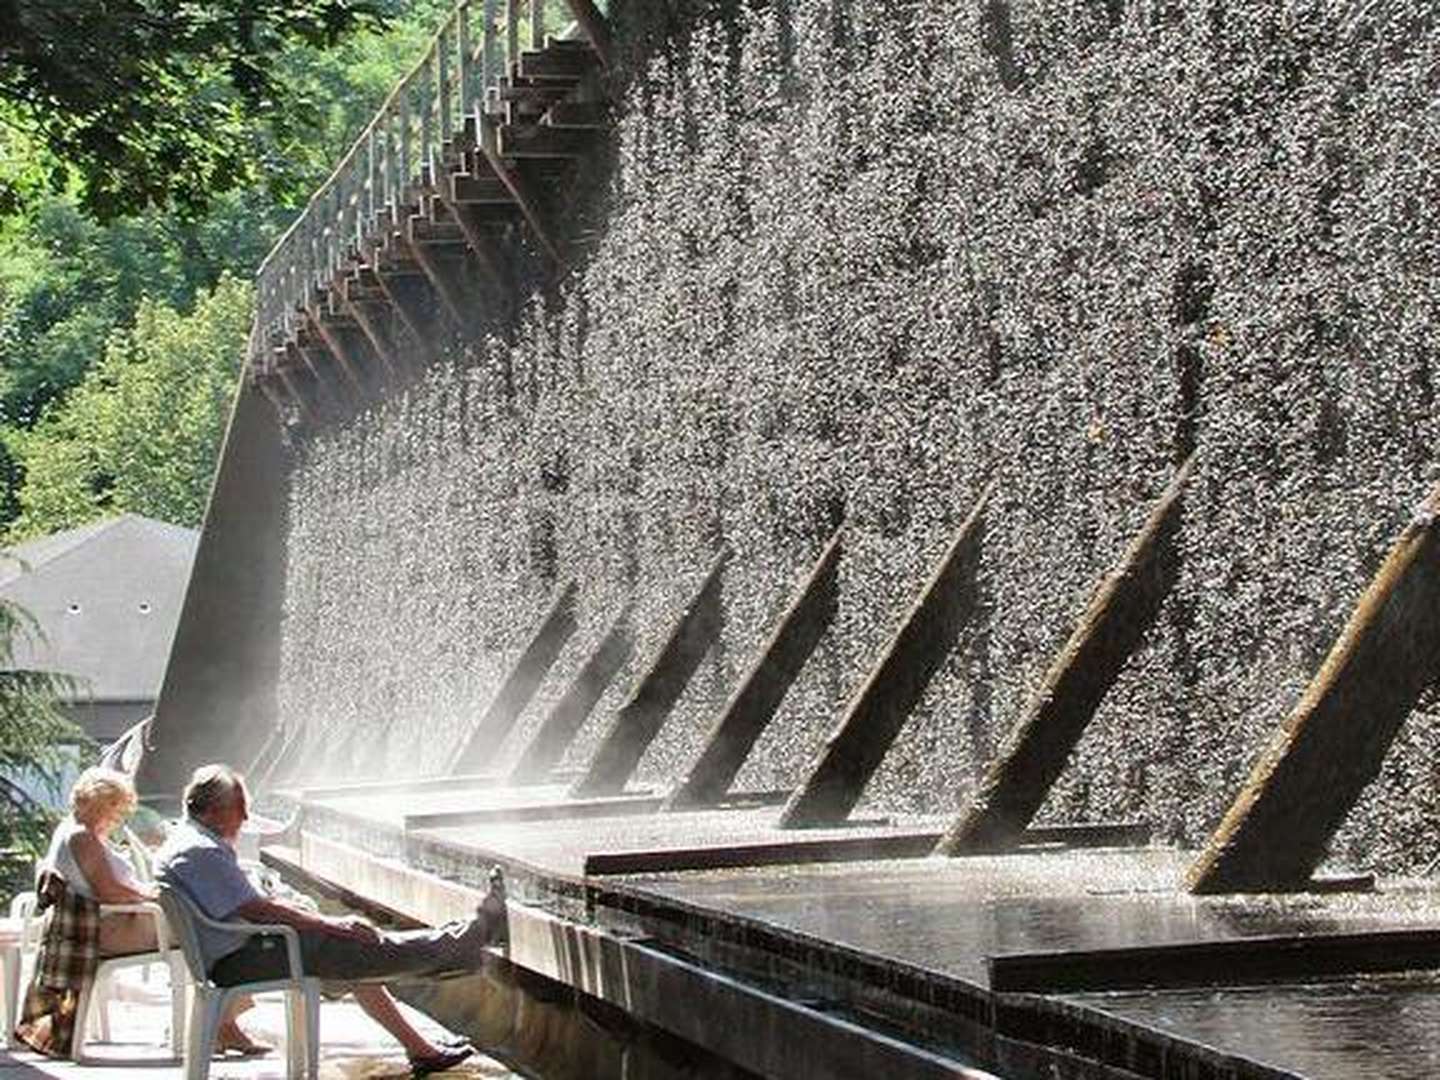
point(380, 1006)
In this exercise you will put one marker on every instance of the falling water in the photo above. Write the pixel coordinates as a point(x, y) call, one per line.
point(855, 258)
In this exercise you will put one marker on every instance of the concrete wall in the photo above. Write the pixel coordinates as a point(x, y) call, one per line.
point(853, 260)
point(217, 702)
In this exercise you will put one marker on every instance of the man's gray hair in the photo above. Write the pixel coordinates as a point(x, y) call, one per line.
point(210, 788)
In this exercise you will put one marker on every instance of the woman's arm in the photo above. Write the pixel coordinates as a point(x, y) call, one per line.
point(91, 858)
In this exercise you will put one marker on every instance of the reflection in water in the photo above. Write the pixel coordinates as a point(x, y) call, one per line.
point(1374, 1029)
point(948, 915)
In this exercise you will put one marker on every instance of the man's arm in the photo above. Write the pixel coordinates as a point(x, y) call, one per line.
point(263, 910)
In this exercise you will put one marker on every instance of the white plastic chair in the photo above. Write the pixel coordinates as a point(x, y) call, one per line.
point(96, 997)
point(208, 1004)
point(16, 938)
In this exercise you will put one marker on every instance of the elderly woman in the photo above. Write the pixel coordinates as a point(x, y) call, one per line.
point(81, 854)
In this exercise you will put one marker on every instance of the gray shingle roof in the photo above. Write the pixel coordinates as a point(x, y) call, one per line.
point(107, 597)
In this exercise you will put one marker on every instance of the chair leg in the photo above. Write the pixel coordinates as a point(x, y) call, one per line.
point(10, 958)
point(178, 987)
point(102, 996)
point(83, 1007)
point(312, 1031)
point(295, 1029)
point(200, 1036)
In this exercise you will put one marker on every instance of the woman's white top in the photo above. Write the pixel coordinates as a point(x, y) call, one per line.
point(62, 860)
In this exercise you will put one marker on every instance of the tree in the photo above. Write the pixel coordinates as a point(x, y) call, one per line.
point(67, 283)
point(141, 432)
point(34, 737)
point(147, 102)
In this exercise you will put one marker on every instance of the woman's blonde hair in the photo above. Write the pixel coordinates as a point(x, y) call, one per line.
point(98, 791)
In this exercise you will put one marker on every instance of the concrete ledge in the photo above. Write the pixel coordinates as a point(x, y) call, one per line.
point(677, 966)
point(756, 1030)
point(1240, 962)
point(548, 811)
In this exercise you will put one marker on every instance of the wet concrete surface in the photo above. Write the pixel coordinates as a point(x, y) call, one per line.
point(394, 807)
point(1375, 1029)
point(948, 916)
point(561, 846)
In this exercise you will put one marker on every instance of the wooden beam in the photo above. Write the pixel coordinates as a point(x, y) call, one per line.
point(269, 750)
point(592, 115)
point(337, 405)
point(595, 27)
point(281, 399)
point(484, 190)
point(410, 315)
point(525, 677)
point(559, 728)
point(832, 849)
point(1249, 961)
point(344, 360)
point(518, 188)
point(482, 246)
point(638, 721)
point(541, 141)
point(440, 278)
point(281, 762)
point(758, 697)
point(557, 65)
point(883, 703)
point(565, 810)
point(828, 849)
point(379, 339)
point(311, 410)
point(1116, 620)
point(1334, 741)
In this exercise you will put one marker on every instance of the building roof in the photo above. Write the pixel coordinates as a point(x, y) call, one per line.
point(107, 598)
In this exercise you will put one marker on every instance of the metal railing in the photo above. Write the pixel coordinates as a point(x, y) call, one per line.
point(402, 144)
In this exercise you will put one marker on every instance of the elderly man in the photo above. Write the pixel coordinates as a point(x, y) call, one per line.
point(199, 860)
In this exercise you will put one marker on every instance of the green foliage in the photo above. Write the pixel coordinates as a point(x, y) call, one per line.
point(66, 283)
point(141, 432)
point(73, 286)
point(35, 736)
point(142, 103)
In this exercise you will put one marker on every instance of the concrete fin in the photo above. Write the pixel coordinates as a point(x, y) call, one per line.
point(559, 728)
point(758, 697)
point(638, 721)
point(885, 700)
point(520, 685)
point(1120, 613)
point(1332, 744)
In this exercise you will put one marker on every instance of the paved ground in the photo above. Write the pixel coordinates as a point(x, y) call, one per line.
point(352, 1046)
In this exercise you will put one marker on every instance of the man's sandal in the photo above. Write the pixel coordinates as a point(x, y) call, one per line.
point(441, 1060)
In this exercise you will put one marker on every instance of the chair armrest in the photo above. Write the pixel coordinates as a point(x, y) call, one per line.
point(289, 933)
point(144, 907)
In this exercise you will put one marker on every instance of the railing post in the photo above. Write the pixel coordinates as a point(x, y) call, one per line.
point(372, 194)
point(405, 155)
point(361, 199)
point(512, 35)
point(392, 151)
point(489, 73)
point(462, 53)
point(442, 94)
point(427, 111)
point(345, 196)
